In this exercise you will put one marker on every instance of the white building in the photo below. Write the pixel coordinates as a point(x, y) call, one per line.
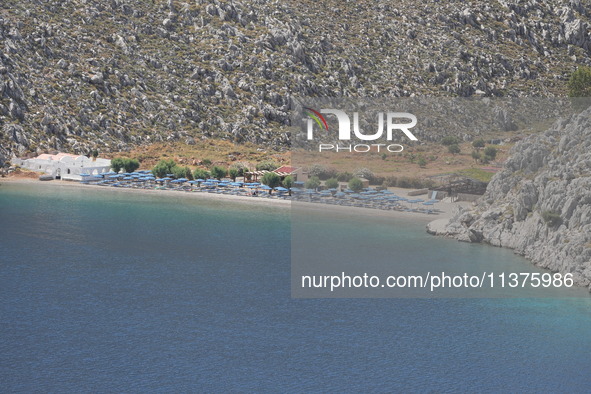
point(65, 166)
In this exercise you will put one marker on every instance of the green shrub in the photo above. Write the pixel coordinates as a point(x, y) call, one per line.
point(454, 149)
point(404, 182)
point(475, 155)
point(422, 162)
point(344, 176)
point(355, 184)
point(312, 183)
point(267, 166)
point(579, 83)
point(491, 152)
point(376, 180)
point(479, 143)
point(552, 218)
point(450, 140)
point(331, 183)
point(390, 181)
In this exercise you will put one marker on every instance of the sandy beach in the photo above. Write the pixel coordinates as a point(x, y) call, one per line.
point(444, 209)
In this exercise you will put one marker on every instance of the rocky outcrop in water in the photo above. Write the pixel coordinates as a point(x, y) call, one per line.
point(540, 203)
point(77, 75)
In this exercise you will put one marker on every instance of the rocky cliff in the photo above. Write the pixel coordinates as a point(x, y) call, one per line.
point(82, 74)
point(540, 203)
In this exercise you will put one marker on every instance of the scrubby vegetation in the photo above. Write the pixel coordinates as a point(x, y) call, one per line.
point(552, 218)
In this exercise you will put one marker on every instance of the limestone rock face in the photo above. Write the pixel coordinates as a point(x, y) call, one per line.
point(540, 203)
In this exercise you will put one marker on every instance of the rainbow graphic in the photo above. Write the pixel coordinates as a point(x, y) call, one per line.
point(317, 116)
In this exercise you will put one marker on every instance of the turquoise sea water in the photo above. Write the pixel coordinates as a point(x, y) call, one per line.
point(104, 291)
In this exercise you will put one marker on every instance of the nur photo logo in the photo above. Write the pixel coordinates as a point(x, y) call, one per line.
point(388, 124)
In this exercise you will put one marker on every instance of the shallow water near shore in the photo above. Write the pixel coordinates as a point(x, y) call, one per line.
point(103, 291)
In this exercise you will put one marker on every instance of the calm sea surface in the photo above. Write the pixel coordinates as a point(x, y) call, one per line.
point(107, 292)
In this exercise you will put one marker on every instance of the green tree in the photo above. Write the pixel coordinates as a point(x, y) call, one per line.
point(94, 154)
point(233, 173)
point(163, 167)
point(312, 183)
point(271, 179)
point(131, 165)
point(242, 167)
point(331, 183)
point(218, 172)
point(450, 140)
point(579, 83)
point(117, 164)
point(355, 184)
point(200, 173)
point(475, 155)
point(188, 173)
point(491, 152)
point(453, 149)
point(180, 172)
point(479, 143)
point(288, 182)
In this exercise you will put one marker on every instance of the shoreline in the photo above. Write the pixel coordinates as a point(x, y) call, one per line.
point(445, 210)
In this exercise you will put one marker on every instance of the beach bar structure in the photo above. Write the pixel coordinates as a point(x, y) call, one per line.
point(285, 171)
point(65, 166)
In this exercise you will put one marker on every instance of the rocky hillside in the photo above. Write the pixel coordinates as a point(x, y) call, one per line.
point(109, 74)
point(540, 204)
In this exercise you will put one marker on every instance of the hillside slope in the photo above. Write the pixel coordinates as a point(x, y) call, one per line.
point(82, 74)
point(540, 204)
